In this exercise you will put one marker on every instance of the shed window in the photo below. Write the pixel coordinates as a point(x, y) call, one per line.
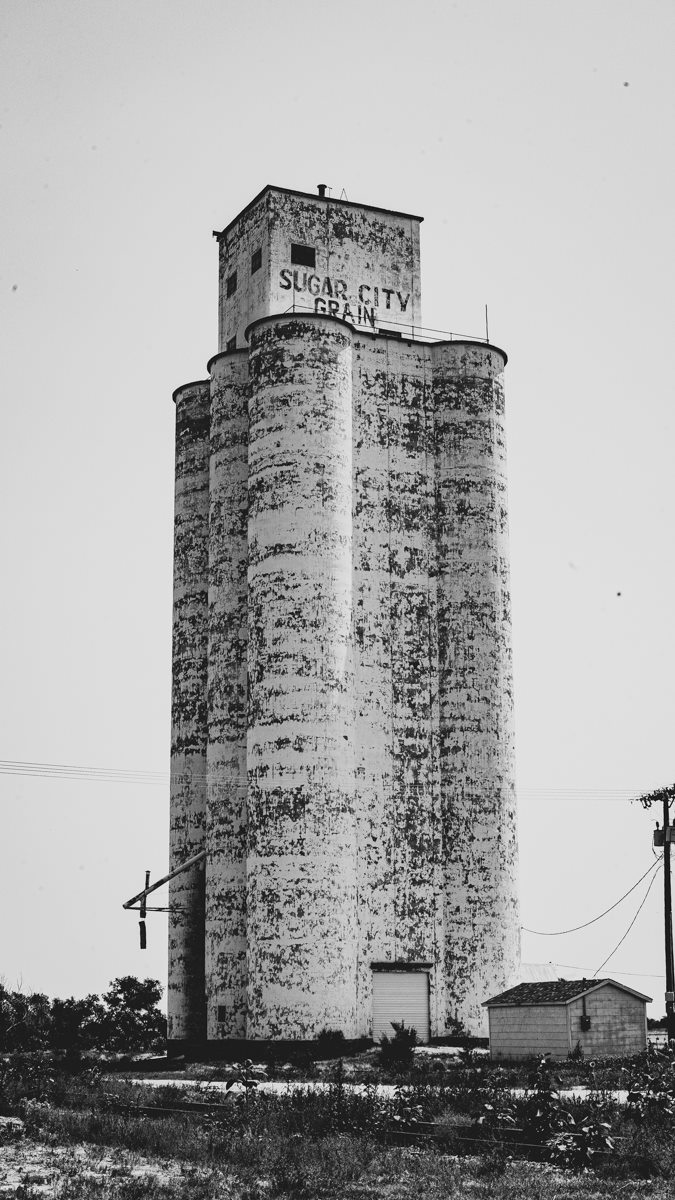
point(303, 256)
point(232, 283)
point(232, 344)
point(222, 1012)
point(256, 261)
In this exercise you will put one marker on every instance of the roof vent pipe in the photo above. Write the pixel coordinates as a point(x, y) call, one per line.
point(321, 188)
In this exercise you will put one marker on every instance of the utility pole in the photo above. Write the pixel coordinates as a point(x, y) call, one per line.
point(668, 920)
point(663, 837)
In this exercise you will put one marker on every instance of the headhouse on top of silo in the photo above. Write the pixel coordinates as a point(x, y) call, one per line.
point(342, 708)
point(292, 252)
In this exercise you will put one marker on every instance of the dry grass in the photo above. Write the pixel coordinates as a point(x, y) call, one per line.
point(335, 1169)
point(330, 1145)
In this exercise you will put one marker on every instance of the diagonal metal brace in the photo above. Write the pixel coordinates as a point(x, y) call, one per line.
point(189, 862)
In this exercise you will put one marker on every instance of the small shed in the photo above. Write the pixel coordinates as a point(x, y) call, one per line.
point(600, 1015)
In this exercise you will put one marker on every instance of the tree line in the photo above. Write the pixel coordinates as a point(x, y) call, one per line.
point(125, 1019)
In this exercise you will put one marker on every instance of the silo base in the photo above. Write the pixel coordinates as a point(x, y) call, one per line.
point(239, 1049)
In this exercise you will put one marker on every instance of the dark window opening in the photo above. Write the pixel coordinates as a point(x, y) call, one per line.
point(232, 283)
point(303, 256)
point(232, 344)
point(256, 261)
point(222, 1012)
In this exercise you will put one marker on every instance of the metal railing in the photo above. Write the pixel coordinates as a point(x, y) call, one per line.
point(417, 333)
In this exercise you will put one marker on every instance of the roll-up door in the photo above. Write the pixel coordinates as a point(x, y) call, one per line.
point(400, 996)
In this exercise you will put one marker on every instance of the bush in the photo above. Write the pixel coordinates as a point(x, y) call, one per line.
point(397, 1051)
point(131, 1021)
point(330, 1043)
point(126, 1019)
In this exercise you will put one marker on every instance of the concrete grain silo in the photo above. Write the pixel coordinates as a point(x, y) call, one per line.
point(342, 742)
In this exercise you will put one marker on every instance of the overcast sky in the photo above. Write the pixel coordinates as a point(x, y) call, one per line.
point(536, 140)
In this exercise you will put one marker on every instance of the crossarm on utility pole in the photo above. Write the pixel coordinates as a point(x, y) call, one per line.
point(189, 862)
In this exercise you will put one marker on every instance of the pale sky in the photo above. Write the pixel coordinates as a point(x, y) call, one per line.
point(536, 140)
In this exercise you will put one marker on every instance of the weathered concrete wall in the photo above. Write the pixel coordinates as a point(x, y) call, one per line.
point(301, 853)
point(185, 997)
point(353, 652)
point(396, 695)
point(250, 300)
point(367, 265)
point(227, 699)
point(482, 925)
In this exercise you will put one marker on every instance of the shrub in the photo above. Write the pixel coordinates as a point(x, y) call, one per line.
point(581, 1142)
point(330, 1043)
point(125, 1019)
point(131, 1020)
point(651, 1085)
point(397, 1051)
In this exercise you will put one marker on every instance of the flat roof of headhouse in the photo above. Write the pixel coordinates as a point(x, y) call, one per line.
point(270, 187)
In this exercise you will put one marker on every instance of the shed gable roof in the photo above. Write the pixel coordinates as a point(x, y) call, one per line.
point(558, 991)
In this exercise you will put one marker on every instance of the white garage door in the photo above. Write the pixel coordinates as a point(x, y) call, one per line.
point(400, 996)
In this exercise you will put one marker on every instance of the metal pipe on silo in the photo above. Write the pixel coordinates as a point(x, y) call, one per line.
point(185, 996)
point(227, 699)
point(482, 923)
point(301, 862)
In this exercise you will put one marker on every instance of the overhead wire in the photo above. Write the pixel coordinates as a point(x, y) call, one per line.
point(622, 939)
point(633, 974)
point(161, 778)
point(73, 771)
point(575, 928)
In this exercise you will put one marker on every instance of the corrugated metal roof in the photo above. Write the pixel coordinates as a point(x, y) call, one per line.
point(539, 972)
point(557, 991)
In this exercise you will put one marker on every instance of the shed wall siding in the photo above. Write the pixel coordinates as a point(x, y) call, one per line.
point(524, 1030)
point(618, 1023)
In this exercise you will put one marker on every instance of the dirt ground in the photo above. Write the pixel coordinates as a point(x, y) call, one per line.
point(32, 1169)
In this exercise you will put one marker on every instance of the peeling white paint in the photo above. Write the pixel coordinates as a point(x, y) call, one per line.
point(357, 724)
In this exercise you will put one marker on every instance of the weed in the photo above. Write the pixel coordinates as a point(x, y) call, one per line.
point(330, 1043)
point(651, 1087)
point(397, 1051)
point(579, 1144)
point(408, 1113)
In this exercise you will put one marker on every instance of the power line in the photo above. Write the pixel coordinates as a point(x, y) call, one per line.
point(162, 778)
point(633, 974)
point(575, 928)
point(641, 906)
point(92, 774)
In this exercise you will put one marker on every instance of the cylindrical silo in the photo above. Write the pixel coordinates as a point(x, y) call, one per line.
point(227, 698)
point(482, 924)
point(186, 1009)
point(301, 859)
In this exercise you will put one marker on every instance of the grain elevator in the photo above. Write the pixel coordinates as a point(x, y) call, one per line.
point(342, 736)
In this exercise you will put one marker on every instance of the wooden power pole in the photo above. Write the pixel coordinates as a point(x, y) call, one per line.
point(663, 838)
point(668, 920)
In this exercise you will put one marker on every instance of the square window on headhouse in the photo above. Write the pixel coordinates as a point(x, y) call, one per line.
point(232, 344)
point(232, 283)
point(256, 261)
point(303, 256)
